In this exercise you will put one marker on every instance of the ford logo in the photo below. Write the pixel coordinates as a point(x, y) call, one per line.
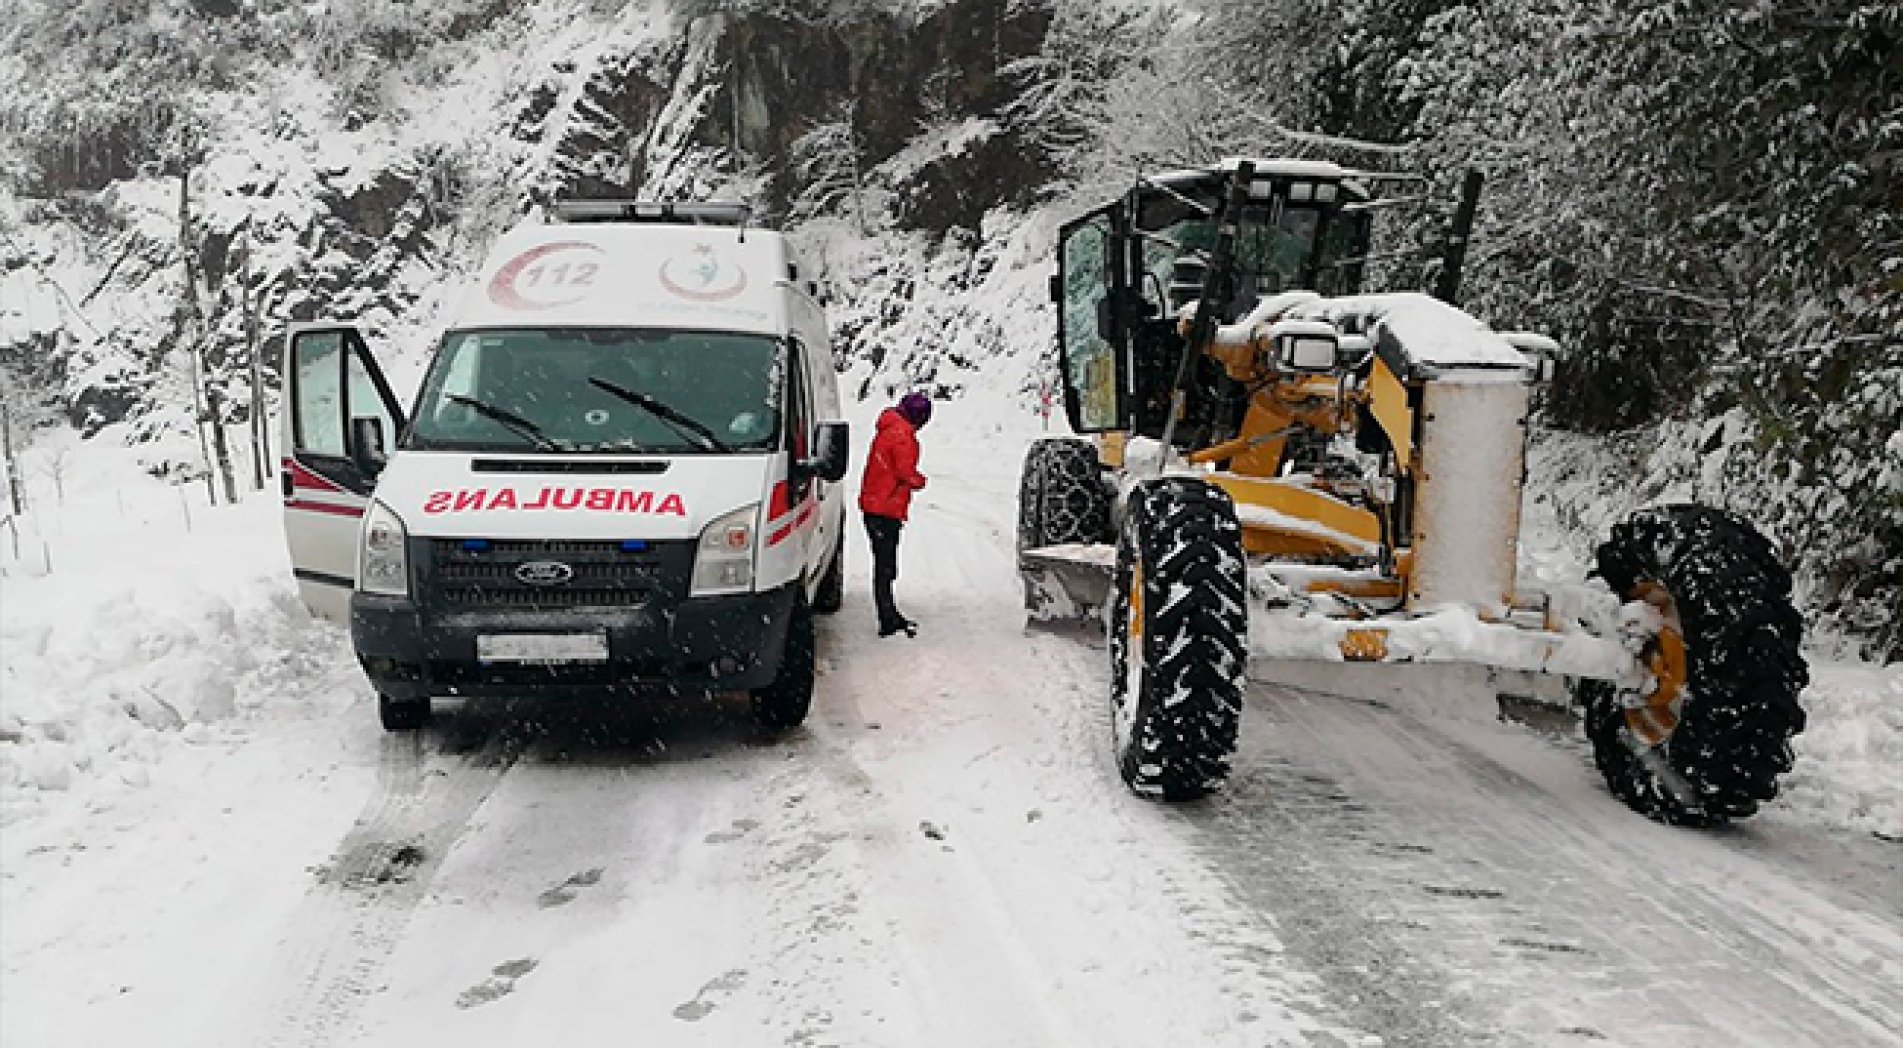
point(544, 573)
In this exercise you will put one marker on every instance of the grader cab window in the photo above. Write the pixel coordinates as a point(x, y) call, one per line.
point(1273, 254)
point(1090, 359)
point(1284, 242)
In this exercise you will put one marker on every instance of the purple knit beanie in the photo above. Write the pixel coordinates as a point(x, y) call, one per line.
point(917, 408)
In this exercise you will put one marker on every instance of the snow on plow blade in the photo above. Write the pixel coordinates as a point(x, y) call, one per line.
point(1450, 634)
point(1068, 582)
point(1072, 583)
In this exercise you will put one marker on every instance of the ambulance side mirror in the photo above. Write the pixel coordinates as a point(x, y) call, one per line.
point(366, 446)
point(832, 447)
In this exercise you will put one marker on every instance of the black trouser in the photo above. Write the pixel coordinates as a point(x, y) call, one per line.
point(884, 532)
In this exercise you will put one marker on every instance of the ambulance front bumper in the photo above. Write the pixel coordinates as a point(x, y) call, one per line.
point(714, 643)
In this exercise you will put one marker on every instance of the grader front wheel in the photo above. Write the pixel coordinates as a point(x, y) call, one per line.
point(1710, 741)
point(1178, 638)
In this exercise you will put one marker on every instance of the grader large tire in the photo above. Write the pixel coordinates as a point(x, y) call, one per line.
point(1178, 639)
point(1739, 706)
point(1061, 495)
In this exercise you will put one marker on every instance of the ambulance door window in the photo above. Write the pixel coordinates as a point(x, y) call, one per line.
point(367, 400)
point(799, 416)
point(318, 414)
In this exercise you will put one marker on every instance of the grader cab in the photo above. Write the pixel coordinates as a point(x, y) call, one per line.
point(1272, 464)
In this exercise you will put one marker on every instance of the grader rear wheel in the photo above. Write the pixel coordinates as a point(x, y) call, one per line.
point(1178, 636)
point(1062, 500)
point(1061, 495)
point(1715, 750)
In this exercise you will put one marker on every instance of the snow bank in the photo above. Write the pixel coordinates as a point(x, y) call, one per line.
point(1848, 756)
point(89, 681)
point(1849, 770)
point(135, 619)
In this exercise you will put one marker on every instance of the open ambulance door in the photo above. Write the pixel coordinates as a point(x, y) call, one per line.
point(330, 382)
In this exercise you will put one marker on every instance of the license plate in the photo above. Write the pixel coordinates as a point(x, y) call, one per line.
point(542, 648)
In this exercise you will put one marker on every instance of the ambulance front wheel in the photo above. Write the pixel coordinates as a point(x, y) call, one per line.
point(403, 714)
point(832, 585)
point(783, 703)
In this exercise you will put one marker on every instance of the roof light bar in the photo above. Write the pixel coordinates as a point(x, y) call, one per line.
point(714, 213)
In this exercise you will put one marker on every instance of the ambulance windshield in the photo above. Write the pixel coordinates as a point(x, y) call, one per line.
point(568, 390)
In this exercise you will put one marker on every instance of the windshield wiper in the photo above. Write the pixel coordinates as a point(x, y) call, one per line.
point(515, 423)
point(679, 423)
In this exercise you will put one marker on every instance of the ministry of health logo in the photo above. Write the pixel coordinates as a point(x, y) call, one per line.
point(702, 275)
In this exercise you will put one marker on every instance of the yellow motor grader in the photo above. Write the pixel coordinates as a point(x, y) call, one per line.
point(1272, 464)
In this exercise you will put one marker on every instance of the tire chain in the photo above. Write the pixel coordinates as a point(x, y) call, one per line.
point(1061, 498)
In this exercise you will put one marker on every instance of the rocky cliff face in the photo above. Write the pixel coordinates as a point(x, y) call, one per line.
point(741, 90)
point(354, 165)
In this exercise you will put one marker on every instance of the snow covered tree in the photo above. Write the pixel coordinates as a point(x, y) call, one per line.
point(828, 166)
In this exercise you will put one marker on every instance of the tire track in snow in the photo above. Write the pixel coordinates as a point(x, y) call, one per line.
point(623, 855)
point(990, 734)
point(960, 971)
point(1489, 876)
point(335, 943)
point(1243, 939)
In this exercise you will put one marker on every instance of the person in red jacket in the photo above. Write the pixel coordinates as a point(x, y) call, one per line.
point(885, 495)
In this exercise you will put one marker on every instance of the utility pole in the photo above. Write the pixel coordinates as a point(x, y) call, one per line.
point(1447, 287)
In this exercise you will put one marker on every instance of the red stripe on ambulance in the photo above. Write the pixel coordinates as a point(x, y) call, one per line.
point(304, 478)
point(805, 514)
point(324, 507)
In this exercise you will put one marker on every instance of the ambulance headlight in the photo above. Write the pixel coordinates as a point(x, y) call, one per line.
point(383, 563)
point(723, 558)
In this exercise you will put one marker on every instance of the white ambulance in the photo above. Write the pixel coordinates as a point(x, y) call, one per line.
point(621, 471)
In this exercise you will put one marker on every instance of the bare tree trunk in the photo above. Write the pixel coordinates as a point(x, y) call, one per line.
point(733, 81)
point(14, 499)
point(198, 422)
point(260, 431)
point(208, 405)
point(186, 325)
point(858, 173)
point(215, 408)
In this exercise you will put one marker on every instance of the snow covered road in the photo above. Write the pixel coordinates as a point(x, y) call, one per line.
point(1425, 862)
point(942, 857)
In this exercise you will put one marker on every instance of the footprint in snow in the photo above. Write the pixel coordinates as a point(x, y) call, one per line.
point(564, 893)
point(711, 996)
point(1463, 893)
point(740, 829)
point(501, 981)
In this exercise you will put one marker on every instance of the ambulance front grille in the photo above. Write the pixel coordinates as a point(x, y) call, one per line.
point(479, 574)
